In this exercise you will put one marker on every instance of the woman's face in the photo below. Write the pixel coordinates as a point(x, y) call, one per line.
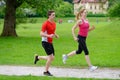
point(84, 13)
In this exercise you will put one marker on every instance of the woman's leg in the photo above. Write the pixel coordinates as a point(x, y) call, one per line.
point(65, 56)
point(71, 53)
point(88, 60)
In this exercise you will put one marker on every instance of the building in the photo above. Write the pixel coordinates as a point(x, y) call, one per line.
point(94, 6)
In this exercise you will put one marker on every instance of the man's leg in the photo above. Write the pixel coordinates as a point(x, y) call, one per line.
point(50, 58)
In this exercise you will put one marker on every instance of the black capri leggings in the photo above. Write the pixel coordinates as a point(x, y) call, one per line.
point(82, 45)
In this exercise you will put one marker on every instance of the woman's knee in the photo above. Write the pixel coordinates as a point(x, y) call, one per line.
point(78, 52)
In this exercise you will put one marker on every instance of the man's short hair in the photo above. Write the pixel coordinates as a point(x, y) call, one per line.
point(50, 12)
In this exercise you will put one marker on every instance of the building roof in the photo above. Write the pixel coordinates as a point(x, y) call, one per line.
point(88, 1)
point(76, 1)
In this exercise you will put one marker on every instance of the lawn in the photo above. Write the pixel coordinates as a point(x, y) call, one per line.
point(29, 77)
point(103, 44)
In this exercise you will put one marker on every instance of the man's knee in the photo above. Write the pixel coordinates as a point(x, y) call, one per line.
point(51, 57)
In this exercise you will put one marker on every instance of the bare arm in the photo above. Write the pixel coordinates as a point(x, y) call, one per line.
point(46, 35)
point(74, 27)
point(92, 28)
point(56, 35)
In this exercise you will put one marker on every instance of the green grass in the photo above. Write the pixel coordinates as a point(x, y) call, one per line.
point(29, 77)
point(103, 44)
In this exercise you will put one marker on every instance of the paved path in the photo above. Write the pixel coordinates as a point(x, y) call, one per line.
point(60, 72)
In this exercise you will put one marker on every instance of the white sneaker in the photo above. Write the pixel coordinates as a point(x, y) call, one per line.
point(64, 57)
point(92, 68)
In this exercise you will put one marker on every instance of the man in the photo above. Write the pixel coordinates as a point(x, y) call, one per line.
point(48, 33)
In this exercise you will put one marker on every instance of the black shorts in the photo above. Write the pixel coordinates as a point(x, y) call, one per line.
point(82, 45)
point(48, 47)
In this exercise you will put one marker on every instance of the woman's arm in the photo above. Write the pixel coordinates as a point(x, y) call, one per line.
point(92, 28)
point(74, 27)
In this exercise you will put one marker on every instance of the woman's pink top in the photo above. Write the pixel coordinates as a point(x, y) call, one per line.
point(83, 28)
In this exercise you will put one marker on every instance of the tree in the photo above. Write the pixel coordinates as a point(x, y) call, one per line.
point(114, 10)
point(65, 10)
point(70, 1)
point(9, 20)
point(111, 2)
point(2, 11)
point(10, 12)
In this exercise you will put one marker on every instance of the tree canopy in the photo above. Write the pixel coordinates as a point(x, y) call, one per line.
point(114, 10)
point(10, 12)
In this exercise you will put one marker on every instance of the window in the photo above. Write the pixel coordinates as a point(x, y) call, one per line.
point(95, 6)
point(91, 7)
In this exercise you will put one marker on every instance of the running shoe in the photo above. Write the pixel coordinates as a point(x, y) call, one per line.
point(47, 73)
point(36, 59)
point(92, 68)
point(64, 58)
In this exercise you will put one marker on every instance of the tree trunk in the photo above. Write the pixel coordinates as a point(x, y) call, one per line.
point(10, 19)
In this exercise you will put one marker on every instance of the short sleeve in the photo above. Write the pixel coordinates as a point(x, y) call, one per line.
point(44, 25)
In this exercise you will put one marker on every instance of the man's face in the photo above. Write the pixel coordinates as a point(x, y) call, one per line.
point(52, 16)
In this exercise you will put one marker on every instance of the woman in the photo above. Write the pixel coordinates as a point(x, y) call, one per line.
point(83, 25)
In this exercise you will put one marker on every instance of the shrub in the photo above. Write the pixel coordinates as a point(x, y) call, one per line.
point(90, 14)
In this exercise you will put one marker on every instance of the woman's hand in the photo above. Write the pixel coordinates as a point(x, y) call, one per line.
point(92, 28)
point(75, 38)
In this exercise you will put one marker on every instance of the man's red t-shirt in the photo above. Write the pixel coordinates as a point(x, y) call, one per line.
point(48, 28)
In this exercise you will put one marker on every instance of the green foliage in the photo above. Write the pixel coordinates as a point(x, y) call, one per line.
point(25, 11)
point(64, 10)
point(46, 5)
point(114, 10)
point(31, 8)
point(38, 8)
point(70, 1)
point(2, 11)
point(111, 2)
point(90, 14)
point(26, 20)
